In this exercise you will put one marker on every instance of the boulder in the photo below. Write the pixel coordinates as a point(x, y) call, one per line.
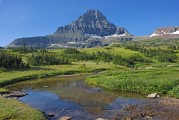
point(15, 94)
point(65, 118)
point(50, 115)
point(128, 118)
point(153, 95)
point(101, 119)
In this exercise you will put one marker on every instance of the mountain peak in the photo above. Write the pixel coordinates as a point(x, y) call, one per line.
point(92, 10)
point(92, 22)
point(94, 14)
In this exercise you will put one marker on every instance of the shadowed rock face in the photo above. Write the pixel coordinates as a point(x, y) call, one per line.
point(91, 26)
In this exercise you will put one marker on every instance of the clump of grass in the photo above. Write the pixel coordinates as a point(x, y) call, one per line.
point(14, 110)
point(4, 90)
point(175, 92)
point(13, 76)
point(142, 81)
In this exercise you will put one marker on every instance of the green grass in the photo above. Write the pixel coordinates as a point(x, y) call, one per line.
point(14, 110)
point(12, 76)
point(155, 42)
point(160, 79)
point(4, 90)
point(113, 50)
point(175, 92)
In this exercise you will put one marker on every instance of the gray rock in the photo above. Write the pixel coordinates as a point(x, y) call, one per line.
point(101, 119)
point(65, 118)
point(92, 22)
point(15, 94)
point(128, 118)
point(50, 115)
point(153, 95)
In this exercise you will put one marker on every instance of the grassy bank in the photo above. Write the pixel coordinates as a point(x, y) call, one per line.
point(4, 90)
point(13, 76)
point(160, 79)
point(14, 110)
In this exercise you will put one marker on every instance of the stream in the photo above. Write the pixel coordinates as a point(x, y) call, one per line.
point(71, 96)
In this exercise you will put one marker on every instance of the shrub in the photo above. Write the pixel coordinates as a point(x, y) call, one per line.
point(11, 61)
point(175, 92)
point(38, 59)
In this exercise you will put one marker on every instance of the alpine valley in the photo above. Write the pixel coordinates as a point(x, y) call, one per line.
point(64, 76)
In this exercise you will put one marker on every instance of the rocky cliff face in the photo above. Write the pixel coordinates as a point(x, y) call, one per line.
point(166, 32)
point(92, 22)
point(90, 27)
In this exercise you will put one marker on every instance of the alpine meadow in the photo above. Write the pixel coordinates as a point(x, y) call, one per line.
point(90, 69)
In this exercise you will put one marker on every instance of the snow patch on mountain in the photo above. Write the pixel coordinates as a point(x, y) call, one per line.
point(153, 35)
point(93, 35)
point(115, 35)
point(176, 32)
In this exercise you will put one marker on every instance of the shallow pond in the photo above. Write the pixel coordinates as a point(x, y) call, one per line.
point(71, 96)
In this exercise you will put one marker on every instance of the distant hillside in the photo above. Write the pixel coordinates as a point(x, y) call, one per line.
point(156, 42)
point(166, 32)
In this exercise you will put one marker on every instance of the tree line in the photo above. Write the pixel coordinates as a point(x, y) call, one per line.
point(45, 58)
point(162, 55)
point(76, 55)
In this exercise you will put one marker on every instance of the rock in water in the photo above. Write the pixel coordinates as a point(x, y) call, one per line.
point(65, 118)
point(154, 95)
point(50, 114)
point(15, 94)
point(101, 119)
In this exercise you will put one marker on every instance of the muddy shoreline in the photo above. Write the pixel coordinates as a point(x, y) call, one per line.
point(164, 108)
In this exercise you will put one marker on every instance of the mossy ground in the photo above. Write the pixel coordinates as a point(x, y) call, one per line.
point(163, 79)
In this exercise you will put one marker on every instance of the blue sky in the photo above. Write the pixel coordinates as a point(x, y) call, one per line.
point(25, 18)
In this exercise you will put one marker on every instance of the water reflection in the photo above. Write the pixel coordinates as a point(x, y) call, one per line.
point(71, 96)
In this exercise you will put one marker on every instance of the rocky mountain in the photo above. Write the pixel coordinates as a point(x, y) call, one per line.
point(166, 32)
point(92, 28)
point(92, 22)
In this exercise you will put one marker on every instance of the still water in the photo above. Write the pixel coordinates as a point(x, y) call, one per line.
point(71, 96)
